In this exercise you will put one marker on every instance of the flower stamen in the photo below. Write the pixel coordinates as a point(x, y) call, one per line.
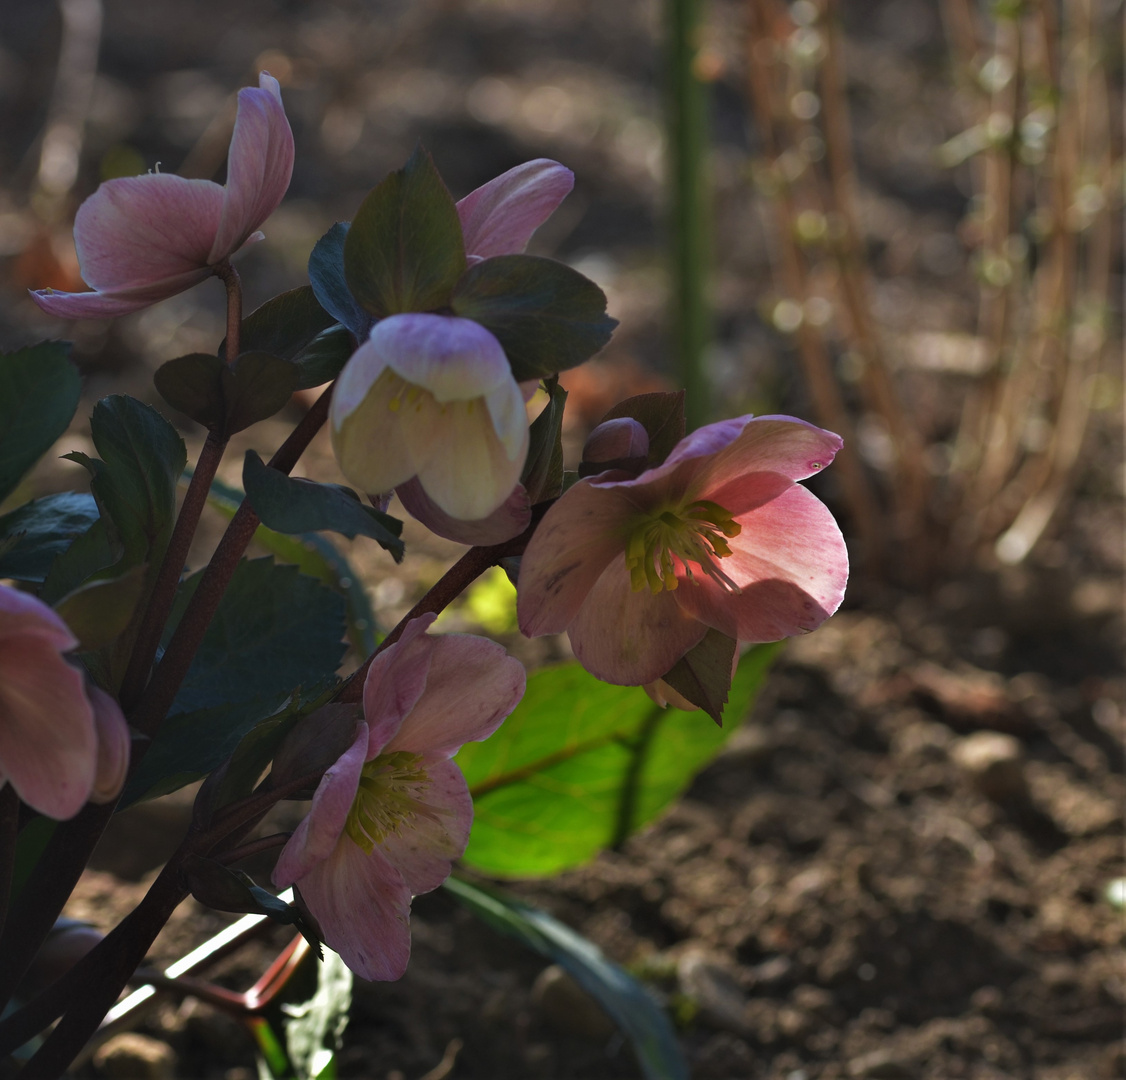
point(664, 543)
point(391, 794)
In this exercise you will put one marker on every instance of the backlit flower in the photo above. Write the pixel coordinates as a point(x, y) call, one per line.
point(141, 239)
point(432, 397)
point(720, 536)
point(60, 745)
point(392, 813)
point(428, 403)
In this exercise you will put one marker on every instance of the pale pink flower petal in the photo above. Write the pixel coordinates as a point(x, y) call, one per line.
point(367, 432)
point(462, 464)
point(509, 520)
point(48, 748)
point(568, 553)
point(473, 684)
point(630, 638)
point(259, 166)
point(363, 907)
point(141, 239)
point(781, 445)
point(22, 616)
point(791, 565)
point(500, 216)
point(396, 680)
point(455, 359)
point(114, 744)
point(423, 852)
point(318, 835)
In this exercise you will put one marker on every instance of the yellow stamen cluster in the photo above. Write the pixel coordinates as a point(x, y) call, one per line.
point(391, 793)
point(694, 534)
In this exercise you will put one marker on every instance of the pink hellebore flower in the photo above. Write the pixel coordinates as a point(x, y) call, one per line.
point(393, 812)
point(720, 536)
point(141, 239)
point(428, 403)
point(60, 745)
point(431, 396)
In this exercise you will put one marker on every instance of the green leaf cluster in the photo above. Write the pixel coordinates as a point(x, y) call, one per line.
point(581, 764)
point(405, 252)
point(39, 391)
point(274, 645)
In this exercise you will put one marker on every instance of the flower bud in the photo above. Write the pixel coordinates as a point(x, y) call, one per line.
point(315, 742)
point(67, 943)
point(622, 443)
point(616, 439)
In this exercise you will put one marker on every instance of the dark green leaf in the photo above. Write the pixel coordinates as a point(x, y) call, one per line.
point(543, 470)
point(316, 557)
point(276, 636)
point(255, 387)
point(191, 385)
point(135, 483)
point(99, 612)
point(32, 537)
point(274, 630)
point(581, 764)
point(405, 251)
point(191, 744)
point(90, 554)
point(703, 674)
point(39, 390)
point(217, 886)
point(625, 1000)
point(227, 398)
point(293, 505)
point(321, 360)
point(662, 416)
point(283, 326)
point(326, 272)
point(547, 316)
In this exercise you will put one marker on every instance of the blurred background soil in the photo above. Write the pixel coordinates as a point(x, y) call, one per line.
point(899, 867)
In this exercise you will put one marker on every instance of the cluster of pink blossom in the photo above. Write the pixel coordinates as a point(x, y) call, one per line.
point(635, 564)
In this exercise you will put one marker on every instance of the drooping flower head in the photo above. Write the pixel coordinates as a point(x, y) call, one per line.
point(720, 535)
point(392, 813)
point(428, 403)
point(141, 239)
point(60, 745)
point(432, 397)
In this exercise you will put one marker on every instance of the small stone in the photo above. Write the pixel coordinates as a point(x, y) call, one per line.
point(770, 973)
point(219, 1032)
point(568, 1008)
point(135, 1057)
point(879, 1065)
point(713, 988)
point(994, 764)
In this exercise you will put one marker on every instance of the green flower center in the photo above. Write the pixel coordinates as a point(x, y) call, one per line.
point(695, 534)
point(392, 793)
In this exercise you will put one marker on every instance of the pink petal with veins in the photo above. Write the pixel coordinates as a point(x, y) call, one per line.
point(500, 217)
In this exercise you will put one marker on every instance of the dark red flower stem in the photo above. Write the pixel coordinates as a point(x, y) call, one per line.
point(162, 689)
point(68, 850)
point(119, 955)
point(9, 834)
point(164, 589)
point(448, 588)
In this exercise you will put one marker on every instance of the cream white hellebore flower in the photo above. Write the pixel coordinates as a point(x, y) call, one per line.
point(432, 397)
